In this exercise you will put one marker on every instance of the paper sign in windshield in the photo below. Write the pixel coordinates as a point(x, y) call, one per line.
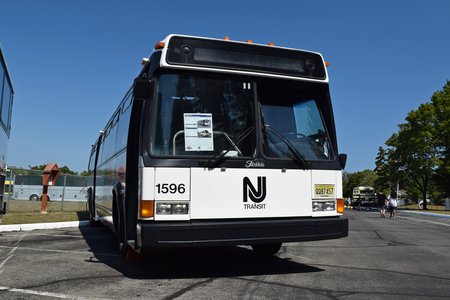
point(198, 133)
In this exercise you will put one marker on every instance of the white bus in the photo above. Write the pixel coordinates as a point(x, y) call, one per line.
point(6, 103)
point(364, 196)
point(220, 142)
point(67, 188)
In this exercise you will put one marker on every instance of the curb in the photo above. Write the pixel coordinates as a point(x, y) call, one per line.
point(423, 213)
point(36, 226)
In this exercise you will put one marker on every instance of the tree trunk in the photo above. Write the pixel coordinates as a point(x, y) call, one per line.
point(424, 197)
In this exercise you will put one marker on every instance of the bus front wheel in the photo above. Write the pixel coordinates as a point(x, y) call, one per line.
point(266, 249)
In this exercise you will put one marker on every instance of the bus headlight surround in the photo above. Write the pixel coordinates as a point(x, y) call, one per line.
point(328, 205)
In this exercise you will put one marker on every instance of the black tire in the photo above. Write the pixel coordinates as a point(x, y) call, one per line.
point(126, 251)
point(91, 209)
point(118, 219)
point(115, 217)
point(266, 249)
point(34, 197)
point(129, 254)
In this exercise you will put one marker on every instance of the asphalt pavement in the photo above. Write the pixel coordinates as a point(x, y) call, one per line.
point(403, 258)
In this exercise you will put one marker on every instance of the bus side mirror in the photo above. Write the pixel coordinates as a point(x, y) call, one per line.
point(143, 89)
point(343, 160)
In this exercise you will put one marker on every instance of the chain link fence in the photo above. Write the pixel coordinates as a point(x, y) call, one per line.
point(23, 192)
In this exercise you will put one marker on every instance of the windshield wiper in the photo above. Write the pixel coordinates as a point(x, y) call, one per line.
point(218, 159)
point(298, 158)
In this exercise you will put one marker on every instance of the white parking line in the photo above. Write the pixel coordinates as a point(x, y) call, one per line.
point(60, 235)
point(10, 254)
point(86, 251)
point(39, 293)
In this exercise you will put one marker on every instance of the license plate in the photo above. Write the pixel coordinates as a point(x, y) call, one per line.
point(323, 190)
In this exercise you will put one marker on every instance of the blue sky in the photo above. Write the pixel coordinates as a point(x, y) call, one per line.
point(72, 61)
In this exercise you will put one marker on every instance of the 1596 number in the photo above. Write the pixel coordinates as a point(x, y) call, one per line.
point(165, 188)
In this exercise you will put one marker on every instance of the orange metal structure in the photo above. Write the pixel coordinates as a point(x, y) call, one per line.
point(50, 175)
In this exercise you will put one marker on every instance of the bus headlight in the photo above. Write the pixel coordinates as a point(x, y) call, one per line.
point(180, 209)
point(172, 209)
point(163, 209)
point(329, 205)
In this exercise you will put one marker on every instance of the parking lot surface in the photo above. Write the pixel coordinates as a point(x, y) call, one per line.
point(405, 258)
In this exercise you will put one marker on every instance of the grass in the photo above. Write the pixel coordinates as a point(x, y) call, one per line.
point(37, 217)
point(27, 212)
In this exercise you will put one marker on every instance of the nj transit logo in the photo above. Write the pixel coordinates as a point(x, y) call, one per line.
point(257, 195)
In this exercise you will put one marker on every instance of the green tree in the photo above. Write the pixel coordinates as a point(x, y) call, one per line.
point(39, 167)
point(441, 103)
point(67, 170)
point(64, 169)
point(85, 173)
point(361, 178)
point(384, 171)
point(418, 154)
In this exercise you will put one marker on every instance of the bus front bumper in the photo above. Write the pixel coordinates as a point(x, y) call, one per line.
point(239, 232)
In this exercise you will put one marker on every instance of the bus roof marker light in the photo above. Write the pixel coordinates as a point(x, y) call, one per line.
point(160, 45)
point(249, 42)
point(226, 38)
point(327, 64)
point(271, 44)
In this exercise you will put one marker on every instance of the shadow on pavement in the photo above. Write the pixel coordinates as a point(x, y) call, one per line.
point(229, 261)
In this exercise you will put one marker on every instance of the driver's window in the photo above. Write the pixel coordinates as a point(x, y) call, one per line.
point(307, 118)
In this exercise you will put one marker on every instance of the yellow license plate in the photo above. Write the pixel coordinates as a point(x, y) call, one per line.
point(323, 190)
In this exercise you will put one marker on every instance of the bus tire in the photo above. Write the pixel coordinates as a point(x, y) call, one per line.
point(91, 209)
point(129, 254)
point(115, 217)
point(118, 220)
point(266, 249)
point(34, 197)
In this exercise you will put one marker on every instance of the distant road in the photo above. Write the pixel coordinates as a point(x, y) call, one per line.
point(403, 258)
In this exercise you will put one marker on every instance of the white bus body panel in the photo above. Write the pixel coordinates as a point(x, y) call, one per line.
point(220, 193)
point(165, 177)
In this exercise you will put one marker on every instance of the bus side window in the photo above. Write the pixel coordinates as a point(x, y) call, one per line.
point(91, 165)
point(122, 127)
point(5, 105)
point(110, 139)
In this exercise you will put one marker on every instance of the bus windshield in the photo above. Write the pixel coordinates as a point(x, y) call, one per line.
point(298, 124)
point(207, 116)
point(203, 116)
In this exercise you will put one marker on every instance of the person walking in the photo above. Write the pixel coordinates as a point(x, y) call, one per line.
point(382, 204)
point(393, 204)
